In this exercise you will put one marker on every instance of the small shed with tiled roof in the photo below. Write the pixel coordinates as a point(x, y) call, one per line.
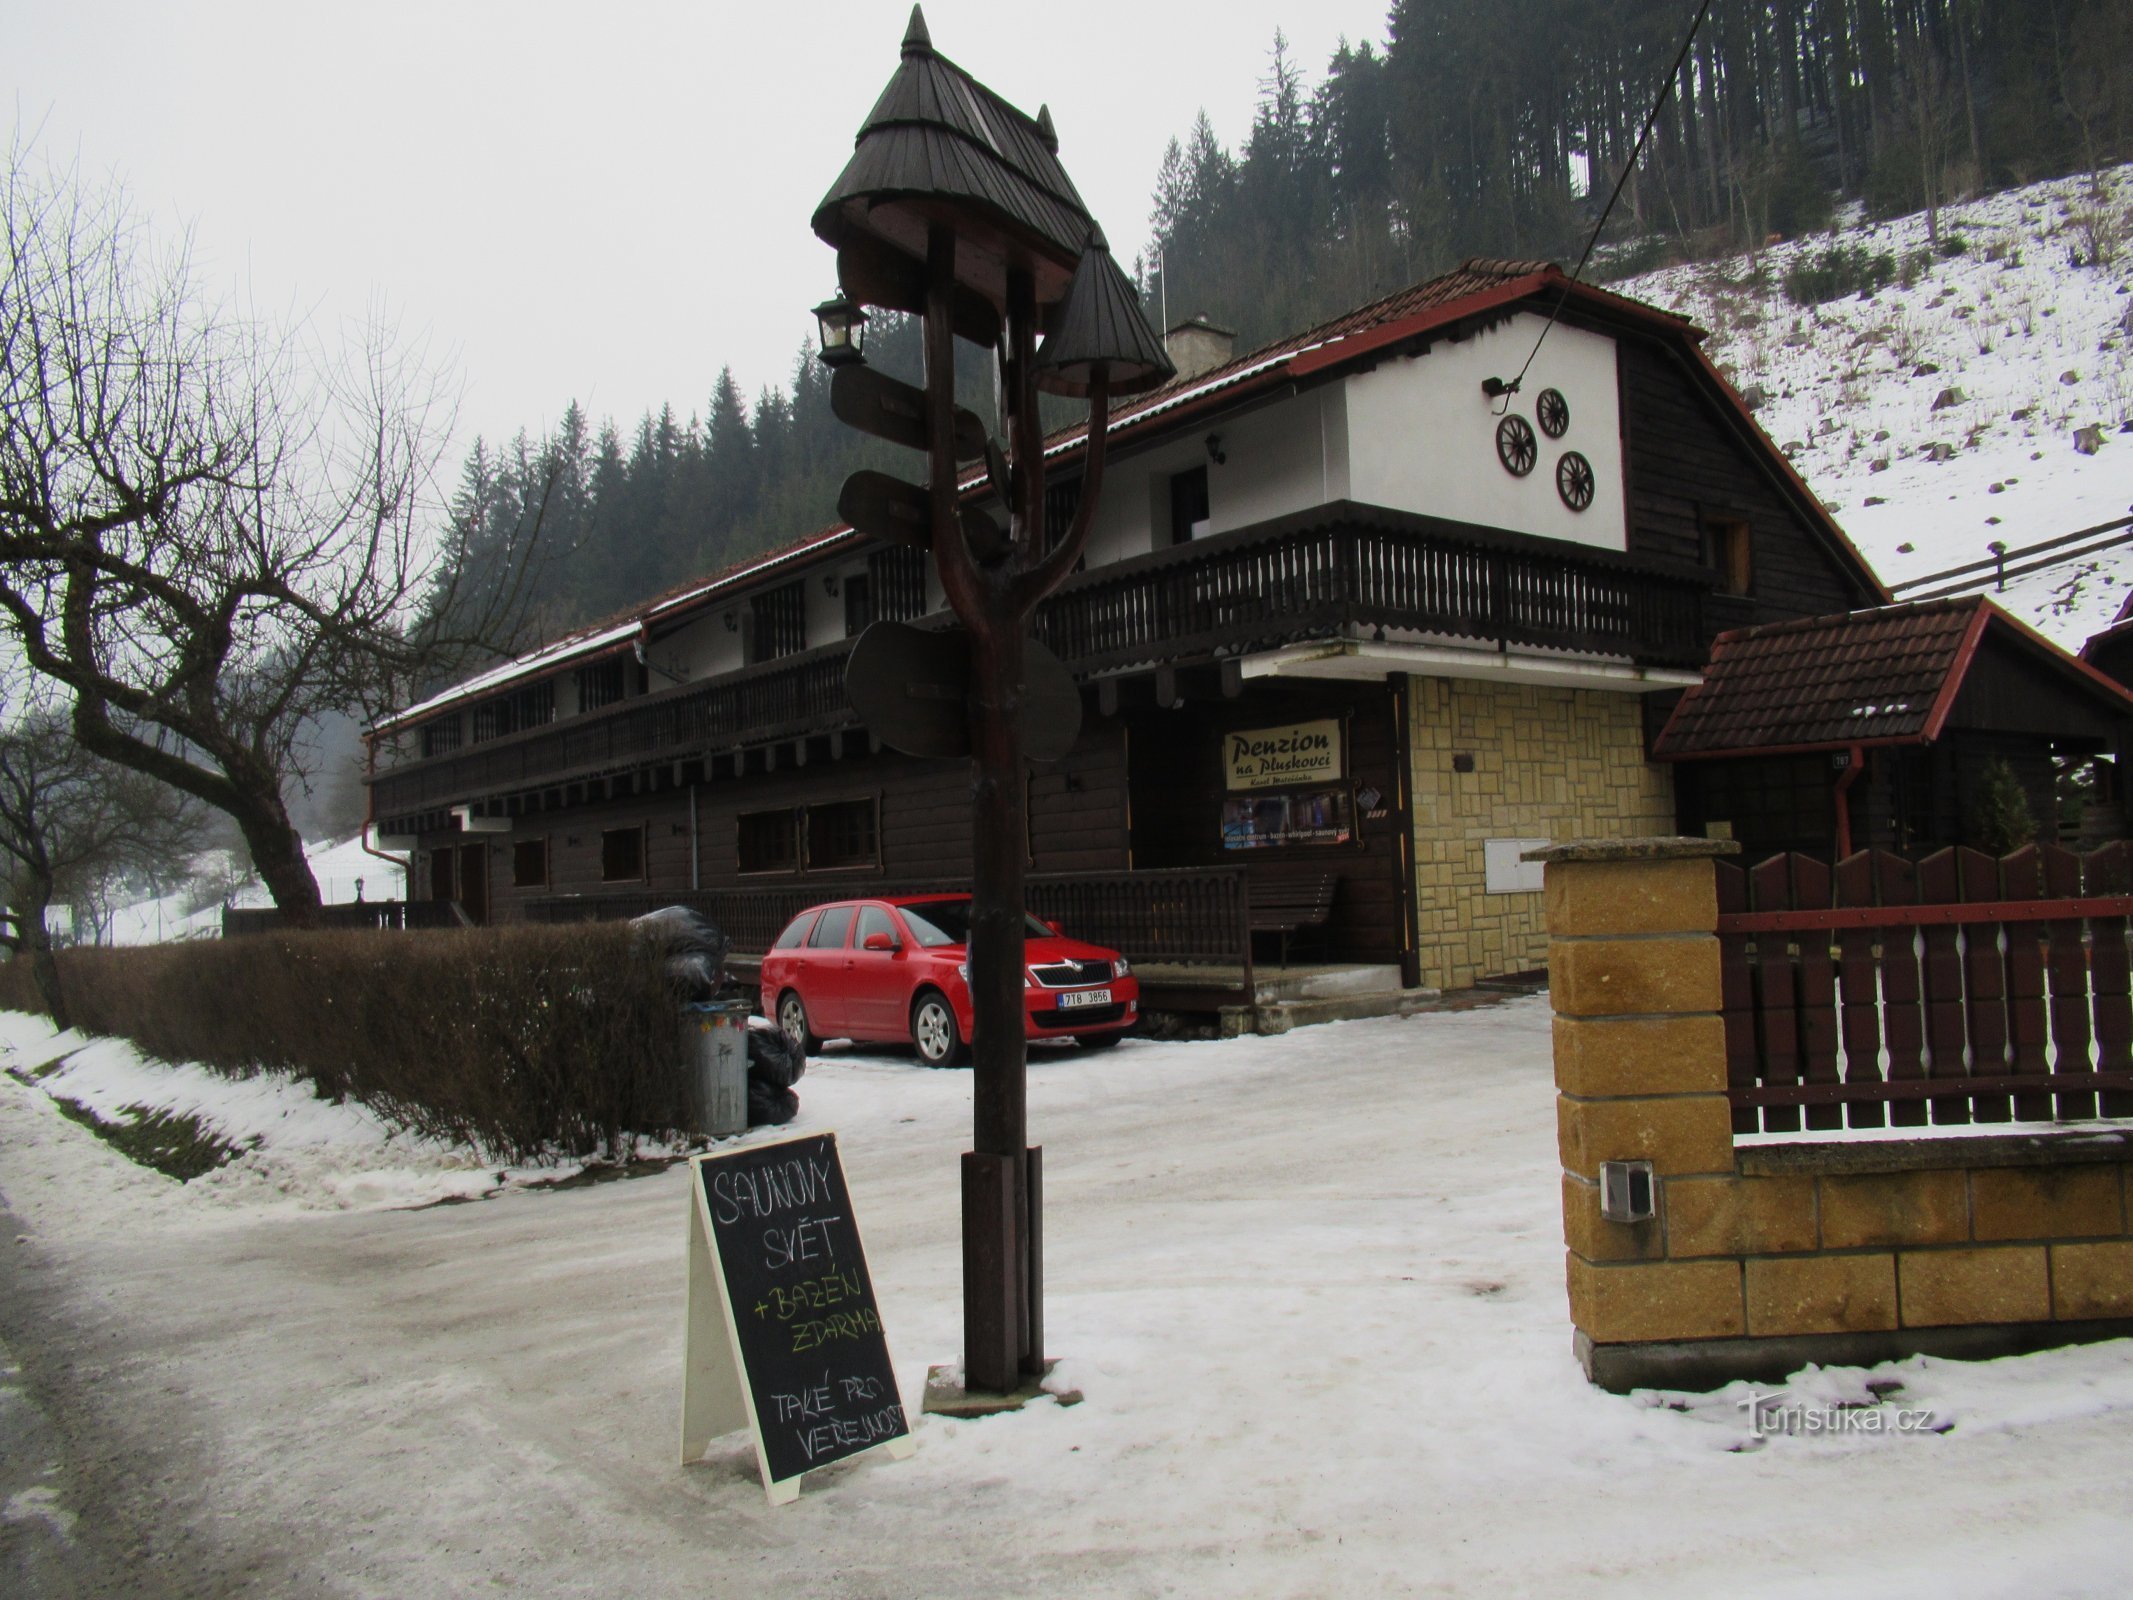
point(1877, 728)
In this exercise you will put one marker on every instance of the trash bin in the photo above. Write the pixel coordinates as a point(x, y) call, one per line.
point(714, 1055)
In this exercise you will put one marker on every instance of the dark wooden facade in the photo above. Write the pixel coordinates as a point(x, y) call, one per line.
point(1157, 641)
point(1913, 799)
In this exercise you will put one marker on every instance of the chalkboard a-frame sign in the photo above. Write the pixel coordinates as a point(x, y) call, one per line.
point(783, 1337)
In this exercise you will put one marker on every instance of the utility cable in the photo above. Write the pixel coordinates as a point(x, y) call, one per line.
point(1666, 90)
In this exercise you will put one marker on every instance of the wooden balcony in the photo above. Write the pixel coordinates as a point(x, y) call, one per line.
point(1313, 575)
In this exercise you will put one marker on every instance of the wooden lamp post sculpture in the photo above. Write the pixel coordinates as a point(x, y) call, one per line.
point(954, 207)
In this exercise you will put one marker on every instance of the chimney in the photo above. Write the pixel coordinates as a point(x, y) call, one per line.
point(1197, 345)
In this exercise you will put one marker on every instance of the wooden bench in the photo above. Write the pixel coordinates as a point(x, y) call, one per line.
point(1286, 905)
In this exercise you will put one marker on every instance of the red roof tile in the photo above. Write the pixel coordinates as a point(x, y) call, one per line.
point(1887, 676)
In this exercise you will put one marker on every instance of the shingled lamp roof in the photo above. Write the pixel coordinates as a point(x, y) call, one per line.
point(1880, 677)
point(1100, 326)
point(941, 147)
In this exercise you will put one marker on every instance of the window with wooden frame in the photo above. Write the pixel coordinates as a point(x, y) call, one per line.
point(768, 841)
point(530, 707)
point(442, 736)
point(622, 855)
point(778, 622)
point(896, 579)
point(858, 604)
point(1729, 552)
point(601, 684)
point(842, 834)
point(1189, 515)
point(529, 863)
point(1061, 501)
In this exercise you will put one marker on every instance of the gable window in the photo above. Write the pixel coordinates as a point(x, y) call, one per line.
point(529, 864)
point(600, 684)
point(1188, 505)
point(1727, 551)
point(622, 855)
point(779, 618)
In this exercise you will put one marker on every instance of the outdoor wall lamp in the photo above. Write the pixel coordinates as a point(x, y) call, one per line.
point(843, 331)
point(1215, 452)
point(733, 623)
point(829, 584)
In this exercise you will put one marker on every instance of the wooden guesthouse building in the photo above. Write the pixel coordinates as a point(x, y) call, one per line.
point(1349, 615)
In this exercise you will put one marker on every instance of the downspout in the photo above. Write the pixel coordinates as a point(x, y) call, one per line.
point(1840, 794)
point(696, 875)
point(370, 818)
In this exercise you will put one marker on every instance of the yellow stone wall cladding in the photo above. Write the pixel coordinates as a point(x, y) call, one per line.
point(1757, 1241)
point(1548, 764)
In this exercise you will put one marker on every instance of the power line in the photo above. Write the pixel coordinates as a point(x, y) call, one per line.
point(1666, 90)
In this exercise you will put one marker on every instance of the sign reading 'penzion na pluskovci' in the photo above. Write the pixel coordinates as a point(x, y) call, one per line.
point(783, 1338)
point(1268, 758)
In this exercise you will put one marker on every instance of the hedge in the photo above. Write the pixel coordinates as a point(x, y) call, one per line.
point(519, 1040)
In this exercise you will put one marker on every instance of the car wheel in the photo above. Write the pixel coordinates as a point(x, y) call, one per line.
point(933, 1031)
point(1098, 1041)
point(792, 1021)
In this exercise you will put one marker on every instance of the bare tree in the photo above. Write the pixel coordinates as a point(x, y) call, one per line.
point(1930, 112)
point(71, 826)
point(212, 531)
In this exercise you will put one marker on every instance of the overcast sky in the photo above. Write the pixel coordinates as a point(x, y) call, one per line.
point(593, 202)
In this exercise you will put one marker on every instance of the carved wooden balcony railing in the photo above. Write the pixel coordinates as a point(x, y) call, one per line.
point(1319, 574)
point(1349, 566)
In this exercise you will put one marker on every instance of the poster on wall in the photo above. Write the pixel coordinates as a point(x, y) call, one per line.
point(1282, 758)
point(1308, 816)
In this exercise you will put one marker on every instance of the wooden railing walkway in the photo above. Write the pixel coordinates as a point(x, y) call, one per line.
point(1294, 578)
point(1957, 989)
point(395, 915)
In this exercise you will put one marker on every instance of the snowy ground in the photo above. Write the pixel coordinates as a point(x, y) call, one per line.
point(1310, 1285)
point(2009, 325)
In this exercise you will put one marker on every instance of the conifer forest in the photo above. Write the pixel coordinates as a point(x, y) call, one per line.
point(1467, 130)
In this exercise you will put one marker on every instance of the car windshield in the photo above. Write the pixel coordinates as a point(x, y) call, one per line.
point(939, 922)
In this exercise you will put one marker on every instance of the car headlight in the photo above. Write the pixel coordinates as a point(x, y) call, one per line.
point(1122, 968)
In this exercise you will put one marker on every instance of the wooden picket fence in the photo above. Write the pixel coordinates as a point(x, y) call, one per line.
point(1959, 989)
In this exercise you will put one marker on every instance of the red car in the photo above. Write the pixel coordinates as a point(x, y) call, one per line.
point(897, 970)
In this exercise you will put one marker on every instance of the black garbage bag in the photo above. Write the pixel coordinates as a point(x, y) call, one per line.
point(774, 1058)
point(694, 949)
point(774, 1066)
point(770, 1107)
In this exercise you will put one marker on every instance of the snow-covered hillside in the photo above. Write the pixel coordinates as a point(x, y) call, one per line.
point(2019, 346)
point(345, 871)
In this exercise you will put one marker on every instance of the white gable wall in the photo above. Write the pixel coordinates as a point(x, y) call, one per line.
point(1422, 435)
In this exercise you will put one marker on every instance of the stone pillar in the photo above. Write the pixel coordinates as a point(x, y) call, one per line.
point(1640, 1074)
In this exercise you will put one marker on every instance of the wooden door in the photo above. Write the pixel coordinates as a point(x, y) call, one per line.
point(474, 881)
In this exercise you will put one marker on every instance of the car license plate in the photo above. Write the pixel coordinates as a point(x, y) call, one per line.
point(1085, 997)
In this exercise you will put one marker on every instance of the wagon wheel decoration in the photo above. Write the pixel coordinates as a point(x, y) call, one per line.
point(1573, 480)
point(1552, 411)
point(1516, 447)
